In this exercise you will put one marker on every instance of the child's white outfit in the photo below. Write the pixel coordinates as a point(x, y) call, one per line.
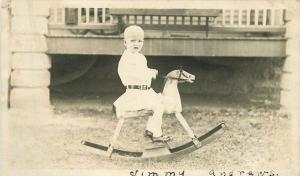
point(136, 77)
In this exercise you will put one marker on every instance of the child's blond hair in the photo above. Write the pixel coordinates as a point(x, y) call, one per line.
point(133, 32)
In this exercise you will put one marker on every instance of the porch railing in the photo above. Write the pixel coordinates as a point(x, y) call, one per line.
point(227, 17)
point(251, 17)
point(100, 19)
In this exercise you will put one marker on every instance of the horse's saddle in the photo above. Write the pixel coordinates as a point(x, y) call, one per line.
point(129, 114)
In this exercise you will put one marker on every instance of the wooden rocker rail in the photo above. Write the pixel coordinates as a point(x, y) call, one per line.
point(170, 152)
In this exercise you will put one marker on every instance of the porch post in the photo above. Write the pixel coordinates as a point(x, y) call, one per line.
point(290, 80)
point(5, 57)
point(30, 76)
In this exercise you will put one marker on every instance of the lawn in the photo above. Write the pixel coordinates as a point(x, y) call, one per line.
point(257, 137)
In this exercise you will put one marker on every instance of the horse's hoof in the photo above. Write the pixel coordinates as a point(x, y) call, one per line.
point(196, 142)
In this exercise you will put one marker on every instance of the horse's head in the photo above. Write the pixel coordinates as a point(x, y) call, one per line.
point(181, 75)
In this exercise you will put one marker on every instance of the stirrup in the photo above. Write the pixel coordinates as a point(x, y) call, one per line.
point(162, 138)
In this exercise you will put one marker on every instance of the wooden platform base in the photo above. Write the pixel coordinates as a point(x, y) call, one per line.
point(162, 151)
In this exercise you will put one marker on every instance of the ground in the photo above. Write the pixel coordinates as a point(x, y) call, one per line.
point(257, 137)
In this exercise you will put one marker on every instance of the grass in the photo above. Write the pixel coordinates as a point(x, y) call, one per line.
point(256, 137)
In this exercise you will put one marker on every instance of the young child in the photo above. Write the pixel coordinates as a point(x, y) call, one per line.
point(136, 77)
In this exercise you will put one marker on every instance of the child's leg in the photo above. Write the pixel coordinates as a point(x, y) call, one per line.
point(155, 122)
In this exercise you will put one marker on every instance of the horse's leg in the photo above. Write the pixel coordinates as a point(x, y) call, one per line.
point(115, 136)
point(185, 124)
point(187, 128)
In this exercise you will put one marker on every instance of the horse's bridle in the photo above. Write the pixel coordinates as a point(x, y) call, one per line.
point(180, 73)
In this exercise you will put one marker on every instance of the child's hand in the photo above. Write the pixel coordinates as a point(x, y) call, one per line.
point(154, 73)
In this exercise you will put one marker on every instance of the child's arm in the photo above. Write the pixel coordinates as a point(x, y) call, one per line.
point(153, 73)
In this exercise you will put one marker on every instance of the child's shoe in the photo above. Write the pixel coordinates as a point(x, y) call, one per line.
point(148, 134)
point(162, 138)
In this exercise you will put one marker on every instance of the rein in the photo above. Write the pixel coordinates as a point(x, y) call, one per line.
point(179, 76)
point(180, 72)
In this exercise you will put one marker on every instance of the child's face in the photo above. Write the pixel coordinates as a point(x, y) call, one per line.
point(134, 44)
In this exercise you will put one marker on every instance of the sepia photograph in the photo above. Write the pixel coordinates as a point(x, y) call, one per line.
point(150, 87)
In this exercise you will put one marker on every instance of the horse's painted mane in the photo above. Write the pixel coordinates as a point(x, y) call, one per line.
point(168, 76)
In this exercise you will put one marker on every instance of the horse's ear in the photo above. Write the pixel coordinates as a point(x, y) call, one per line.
point(180, 71)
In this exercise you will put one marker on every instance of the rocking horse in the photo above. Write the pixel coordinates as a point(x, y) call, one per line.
point(172, 105)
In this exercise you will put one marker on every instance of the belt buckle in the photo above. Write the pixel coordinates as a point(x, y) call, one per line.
point(144, 87)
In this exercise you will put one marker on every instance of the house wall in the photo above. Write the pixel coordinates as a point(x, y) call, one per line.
point(29, 64)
